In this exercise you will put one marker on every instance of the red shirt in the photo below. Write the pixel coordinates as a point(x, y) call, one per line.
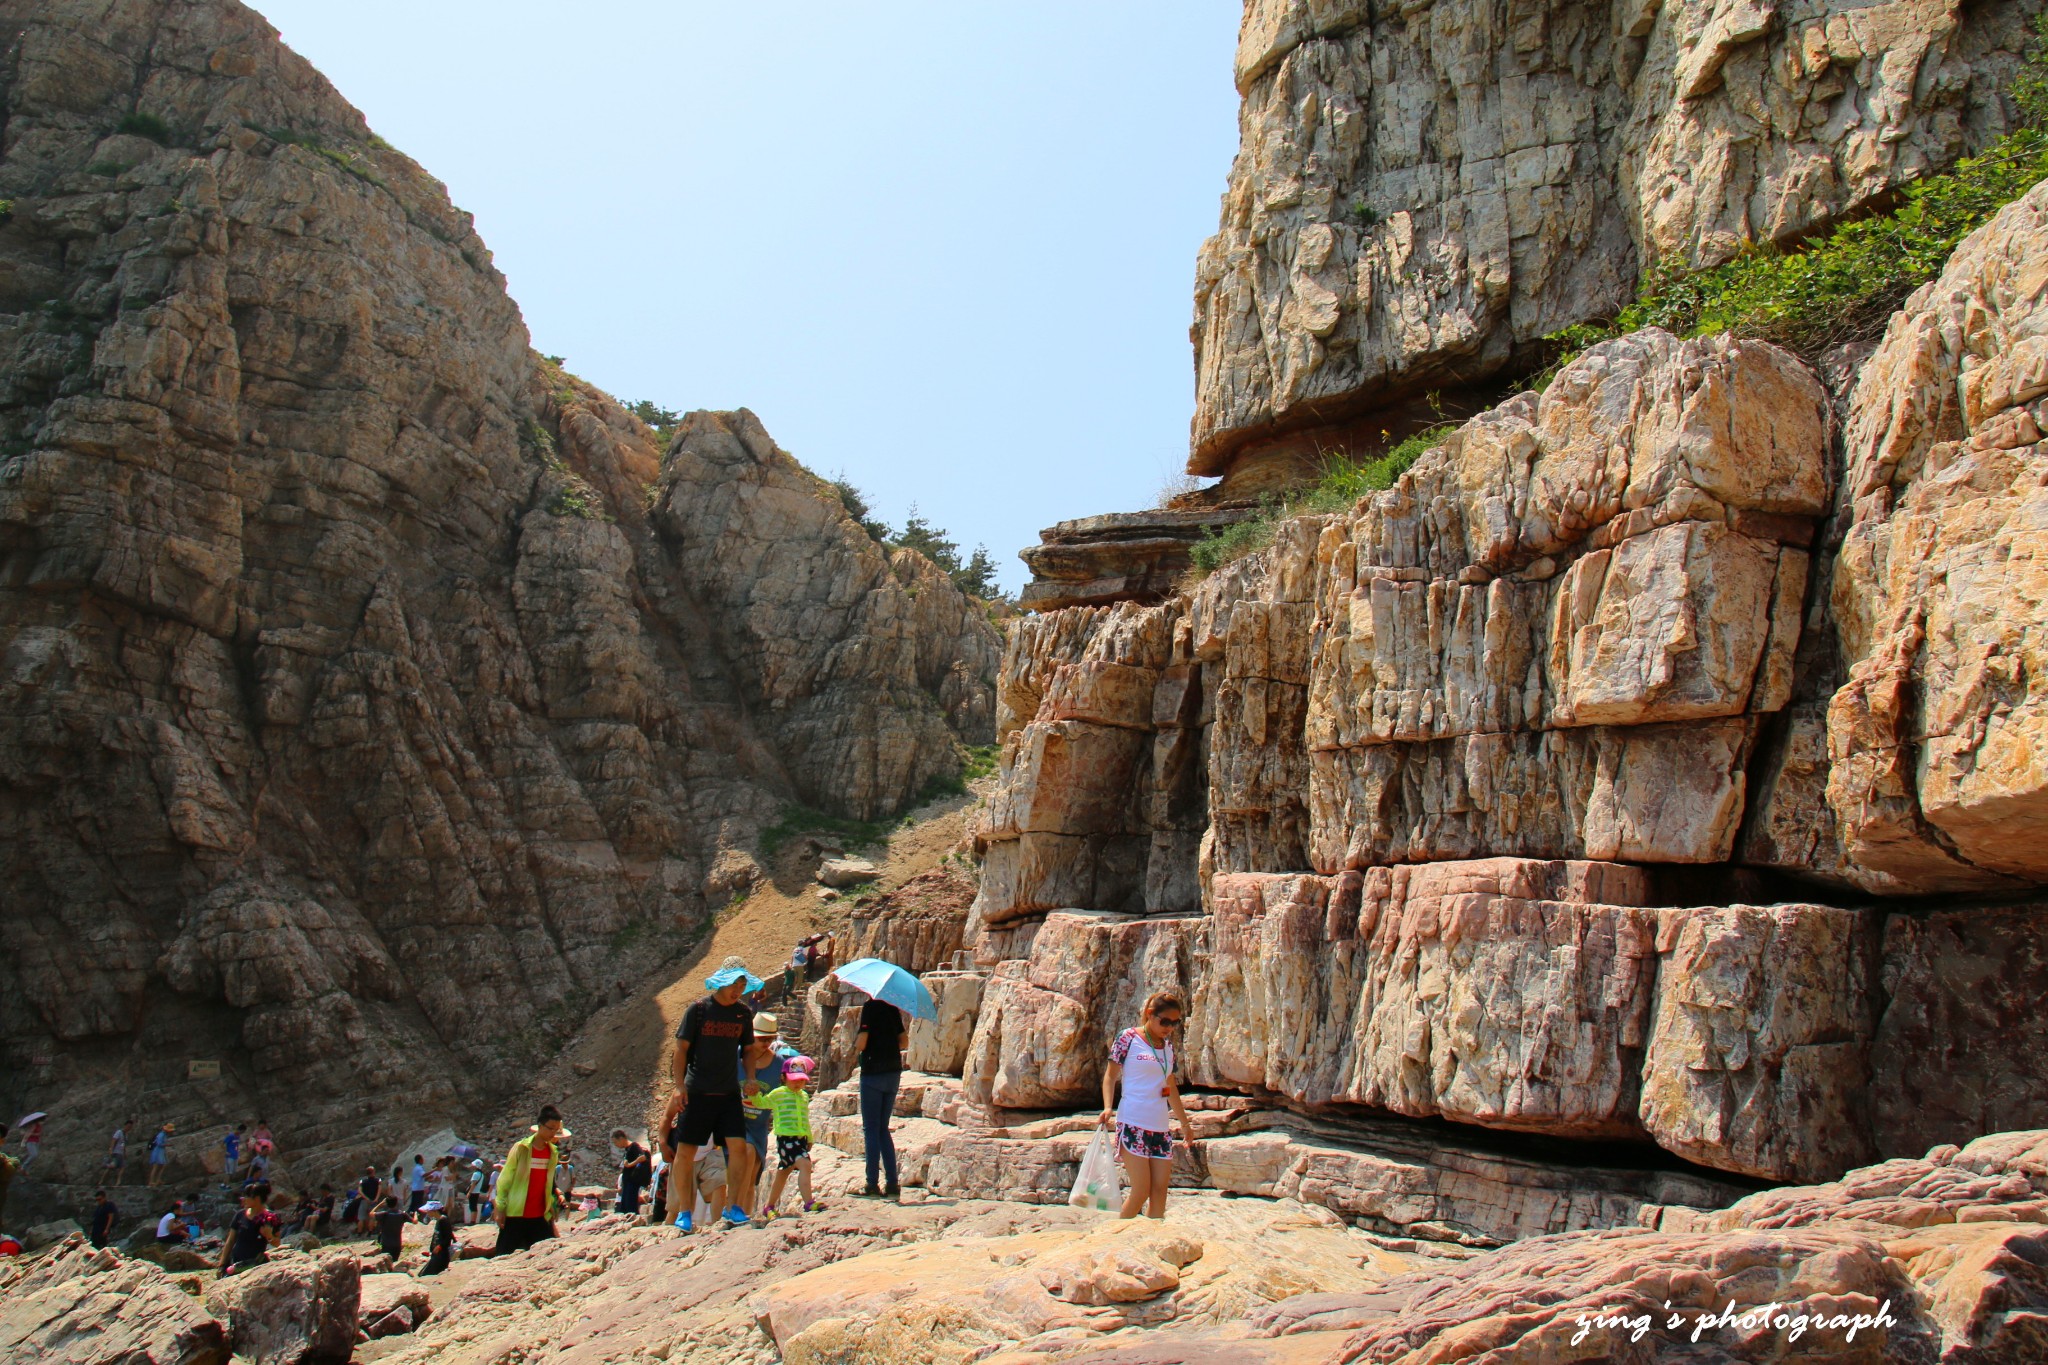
point(538, 1173)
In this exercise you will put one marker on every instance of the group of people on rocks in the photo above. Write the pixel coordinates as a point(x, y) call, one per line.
point(812, 959)
point(737, 1085)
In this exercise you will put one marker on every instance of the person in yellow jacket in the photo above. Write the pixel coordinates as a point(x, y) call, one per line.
point(526, 1199)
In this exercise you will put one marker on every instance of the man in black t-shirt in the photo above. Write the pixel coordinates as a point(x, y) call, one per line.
point(634, 1167)
point(370, 1186)
point(103, 1215)
point(707, 1075)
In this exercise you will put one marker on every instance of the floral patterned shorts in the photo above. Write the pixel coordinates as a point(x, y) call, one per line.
point(1144, 1142)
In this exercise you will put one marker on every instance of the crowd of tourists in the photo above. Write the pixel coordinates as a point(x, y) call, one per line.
point(739, 1088)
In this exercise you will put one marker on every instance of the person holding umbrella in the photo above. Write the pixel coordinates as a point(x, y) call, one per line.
point(31, 1126)
point(884, 1034)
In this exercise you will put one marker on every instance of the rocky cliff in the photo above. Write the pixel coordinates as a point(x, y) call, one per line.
point(368, 681)
point(1424, 192)
point(1655, 761)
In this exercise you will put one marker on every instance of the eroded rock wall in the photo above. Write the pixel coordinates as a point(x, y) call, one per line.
point(1590, 781)
point(366, 678)
point(1422, 192)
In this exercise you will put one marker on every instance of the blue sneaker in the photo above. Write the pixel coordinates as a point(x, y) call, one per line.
point(735, 1217)
point(685, 1222)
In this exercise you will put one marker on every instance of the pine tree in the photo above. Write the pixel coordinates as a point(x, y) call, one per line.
point(978, 577)
point(658, 417)
point(929, 541)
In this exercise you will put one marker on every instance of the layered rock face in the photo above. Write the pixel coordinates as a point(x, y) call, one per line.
point(1573, 785)
point(1421, 193)
point(364, 674)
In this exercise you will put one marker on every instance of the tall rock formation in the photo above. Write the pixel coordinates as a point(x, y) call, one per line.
point(1593, 780)
point(1424, 192)
point(365, 676)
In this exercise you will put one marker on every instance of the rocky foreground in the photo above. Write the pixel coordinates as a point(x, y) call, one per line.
point(1937, 1259)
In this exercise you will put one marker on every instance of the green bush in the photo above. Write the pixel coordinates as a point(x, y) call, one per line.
point(1342, 484)
point(982, 760)
point(803, 820)
point(577, 499)
point(1843, 287)
point(145, 125)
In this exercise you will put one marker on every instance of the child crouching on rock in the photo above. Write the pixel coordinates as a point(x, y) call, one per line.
point(790, 1102)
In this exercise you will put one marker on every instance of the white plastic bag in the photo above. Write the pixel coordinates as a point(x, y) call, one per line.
point(1097, 1186)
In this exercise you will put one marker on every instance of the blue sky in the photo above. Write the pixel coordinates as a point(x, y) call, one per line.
point(947, 249)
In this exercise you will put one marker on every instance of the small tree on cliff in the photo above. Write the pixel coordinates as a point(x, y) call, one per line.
point(856, 504)
point(929, 541)
point(977, 577)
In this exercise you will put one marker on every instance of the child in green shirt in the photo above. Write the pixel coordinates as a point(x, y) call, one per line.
point(790, 1103)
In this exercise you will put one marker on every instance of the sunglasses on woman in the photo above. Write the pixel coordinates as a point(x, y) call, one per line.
point(1169, 1021)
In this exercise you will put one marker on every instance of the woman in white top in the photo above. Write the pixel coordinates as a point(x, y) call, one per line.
point(1142, 1060)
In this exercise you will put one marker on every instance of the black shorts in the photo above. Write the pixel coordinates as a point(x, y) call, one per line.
point(705, 1117)
point(520, 1233)
point(790, 1150)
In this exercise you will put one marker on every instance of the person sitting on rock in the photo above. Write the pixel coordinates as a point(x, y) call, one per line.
point(1142, 1059)
point(252, 1233)
point(526, 1200)
point(170, 1229)
point(352, 1206)
point(707, 1077)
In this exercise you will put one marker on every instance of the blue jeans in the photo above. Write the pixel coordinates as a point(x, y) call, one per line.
point(877, 1104)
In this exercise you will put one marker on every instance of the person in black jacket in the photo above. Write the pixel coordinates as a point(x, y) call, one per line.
point(103, 1215)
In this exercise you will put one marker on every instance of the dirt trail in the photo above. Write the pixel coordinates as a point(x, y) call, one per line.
point(615, 1074)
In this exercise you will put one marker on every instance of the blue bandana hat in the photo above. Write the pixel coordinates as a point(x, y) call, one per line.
point(725, 976)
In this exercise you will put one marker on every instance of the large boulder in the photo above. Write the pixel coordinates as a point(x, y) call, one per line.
point(77, 1306)
point(1506, 993)
point(1939, 594)
point(295, 1310)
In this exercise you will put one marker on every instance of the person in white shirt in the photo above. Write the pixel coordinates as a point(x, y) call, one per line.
point(170, 1229)
point(1142, 1060)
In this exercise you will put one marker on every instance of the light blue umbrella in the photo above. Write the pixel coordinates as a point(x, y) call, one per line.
point(890, 984)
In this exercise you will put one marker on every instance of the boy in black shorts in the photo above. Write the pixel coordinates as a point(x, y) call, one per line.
point(707, 1074)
